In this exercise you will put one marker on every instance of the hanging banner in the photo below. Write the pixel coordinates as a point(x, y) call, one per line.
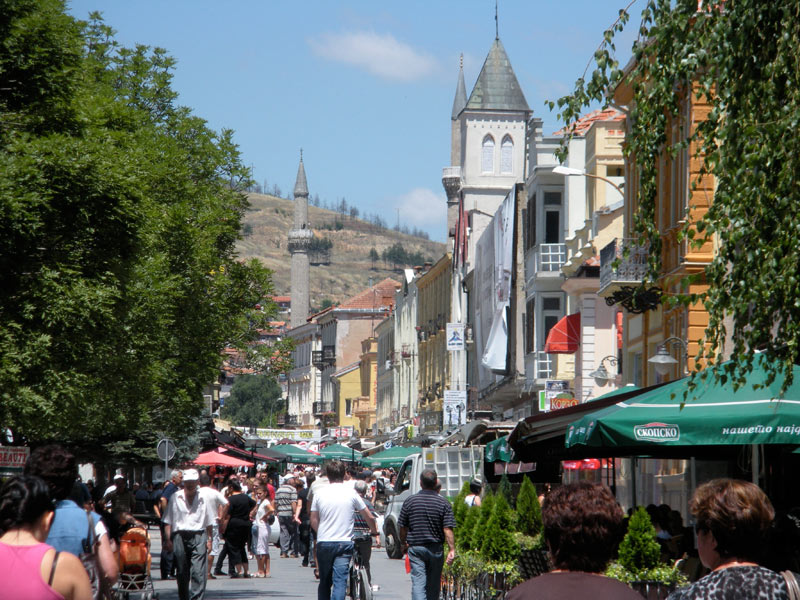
point(502, 226)
point(455, 336)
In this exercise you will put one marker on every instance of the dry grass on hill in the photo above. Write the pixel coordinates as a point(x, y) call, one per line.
point(269, 221)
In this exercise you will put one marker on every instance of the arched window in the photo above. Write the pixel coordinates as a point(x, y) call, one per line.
point(506, 155)
point(487, 155)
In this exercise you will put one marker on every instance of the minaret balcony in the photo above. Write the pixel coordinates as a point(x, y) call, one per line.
point(452, 181)
point(300, 240)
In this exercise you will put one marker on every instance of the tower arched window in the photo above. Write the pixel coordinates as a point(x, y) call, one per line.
point(506, 155)
point(487, 155)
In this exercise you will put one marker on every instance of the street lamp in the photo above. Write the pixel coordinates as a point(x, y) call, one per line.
point(601, 375)
point(663, 361)
point(562, 170)
point(450, 415)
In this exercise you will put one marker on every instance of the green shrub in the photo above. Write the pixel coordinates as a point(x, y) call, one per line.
point(487, 504)
point(498, 542)
point(504, 489)
point(465, 531)
point(529, 511)
point(459, 506)
point(639, 549)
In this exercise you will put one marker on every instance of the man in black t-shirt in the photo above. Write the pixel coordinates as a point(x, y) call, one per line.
point(426, 522)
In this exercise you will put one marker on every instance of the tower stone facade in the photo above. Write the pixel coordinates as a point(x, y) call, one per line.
point(299, 244)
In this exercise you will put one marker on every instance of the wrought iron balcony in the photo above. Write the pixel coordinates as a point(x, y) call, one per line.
point(292, 420)
point(324, 358)
point(322, 408)
point(623, 273)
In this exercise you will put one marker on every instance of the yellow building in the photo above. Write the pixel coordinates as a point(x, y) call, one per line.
point(433, 314)
point(651, 322)
point(347, 385)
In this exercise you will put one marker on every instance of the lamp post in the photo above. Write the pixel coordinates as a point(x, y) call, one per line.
point(562, 170)
point(449, 415)
point(663, 361)
point(601, 375)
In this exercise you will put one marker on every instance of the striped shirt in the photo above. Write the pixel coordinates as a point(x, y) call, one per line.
point(284, 497)
point(425, 515)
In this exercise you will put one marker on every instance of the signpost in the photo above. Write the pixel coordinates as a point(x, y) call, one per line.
point(455, 407)
point(166, 450)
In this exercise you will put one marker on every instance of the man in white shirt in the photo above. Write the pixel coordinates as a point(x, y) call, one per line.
point(218, 505)
point(332, 515)
point(188, 530)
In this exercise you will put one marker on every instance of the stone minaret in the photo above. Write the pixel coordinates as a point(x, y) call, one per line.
point(299, 243)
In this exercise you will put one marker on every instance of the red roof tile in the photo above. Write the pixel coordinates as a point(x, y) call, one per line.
point(582, 125)
point(380, 294)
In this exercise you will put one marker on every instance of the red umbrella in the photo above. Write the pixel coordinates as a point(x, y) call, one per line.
point(220, 460)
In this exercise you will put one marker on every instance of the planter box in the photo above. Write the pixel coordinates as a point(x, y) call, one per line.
point(653, 590)
point(533, 563)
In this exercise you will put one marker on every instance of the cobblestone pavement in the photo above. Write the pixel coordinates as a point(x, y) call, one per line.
point(289, 580)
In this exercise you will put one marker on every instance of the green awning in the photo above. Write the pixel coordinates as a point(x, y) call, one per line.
point(712, 414)
point(498, 450)
point(296, 454)
point(393, 457)
point(340, 452)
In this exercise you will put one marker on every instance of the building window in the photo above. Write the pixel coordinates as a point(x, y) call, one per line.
point(552, 218)
point(506, 155)
point(348, 407)
point(487, 155)
point(551, 312)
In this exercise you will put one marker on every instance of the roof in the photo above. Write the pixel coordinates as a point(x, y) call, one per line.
point(497, 87)
point(460, 101)
point(347, 369)
point(379, 295)
point(300, 186)
point(582, 125)
point(280, 299)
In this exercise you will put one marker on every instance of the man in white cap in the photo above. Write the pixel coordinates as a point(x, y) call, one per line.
point(188, 530)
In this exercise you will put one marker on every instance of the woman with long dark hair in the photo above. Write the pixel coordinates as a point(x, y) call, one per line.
point(31, 569)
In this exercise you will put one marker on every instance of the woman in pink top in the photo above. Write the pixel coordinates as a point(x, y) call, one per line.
point(31, 569)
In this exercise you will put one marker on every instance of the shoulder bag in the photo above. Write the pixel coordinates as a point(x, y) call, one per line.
point(100, 588)
point(792, 587)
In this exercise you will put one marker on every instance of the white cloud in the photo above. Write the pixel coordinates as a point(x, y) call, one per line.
point(380, 55)
point(424, 209)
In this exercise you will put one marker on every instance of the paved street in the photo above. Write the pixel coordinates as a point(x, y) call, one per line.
point(289, 579)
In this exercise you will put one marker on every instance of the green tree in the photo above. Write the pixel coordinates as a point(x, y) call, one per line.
point(374, 257)
point(529, 511)
point(466, 531)
point(742, 57)
point(459, 506)
point(639, 550)
point(498, 543)
point(504, 489)
point(254, 400)
point(121, 210)
point(480, 530)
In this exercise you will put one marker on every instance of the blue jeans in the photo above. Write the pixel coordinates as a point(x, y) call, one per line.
point(333, 562)
point(426, 571)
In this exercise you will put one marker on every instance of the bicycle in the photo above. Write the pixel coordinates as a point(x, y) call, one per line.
point(358, 584)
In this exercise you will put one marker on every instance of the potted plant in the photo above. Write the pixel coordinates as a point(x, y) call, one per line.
point(498, 547)
point(639, 562)
point(533, 559)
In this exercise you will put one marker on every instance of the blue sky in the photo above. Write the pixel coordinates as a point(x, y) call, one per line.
point(365, 88)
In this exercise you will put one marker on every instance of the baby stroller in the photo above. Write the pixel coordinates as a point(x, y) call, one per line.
point(134, 566)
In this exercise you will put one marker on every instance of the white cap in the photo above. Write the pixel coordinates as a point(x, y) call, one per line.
point(191, 475)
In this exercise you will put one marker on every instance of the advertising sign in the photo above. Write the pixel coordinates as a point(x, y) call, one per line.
point(556, 395)
point(455, 408)
point(13, 459)
point(292, 434)
point(455, 336)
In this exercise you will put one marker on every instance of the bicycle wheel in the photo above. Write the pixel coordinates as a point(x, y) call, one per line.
point(364, 588)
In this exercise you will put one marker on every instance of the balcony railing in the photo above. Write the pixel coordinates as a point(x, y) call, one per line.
point(292, 419)
point(324, 358)
point(322, 408)
point(550, 257)
point(616, 269)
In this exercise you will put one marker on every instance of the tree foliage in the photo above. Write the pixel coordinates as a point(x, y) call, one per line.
point(639, 550)
point(498, 543)
point(480, 530)
point(529, 511)
point(254, 401)
point(742, 57)
point(459, 506)
point(504, 489)
point(464, 534)
point(120, 211)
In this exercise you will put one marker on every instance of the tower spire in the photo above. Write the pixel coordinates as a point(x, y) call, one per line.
point(460, 100)
point(299, 243)
point(496, 24)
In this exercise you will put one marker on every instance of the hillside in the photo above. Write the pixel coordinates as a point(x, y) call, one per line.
point(267, 224)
